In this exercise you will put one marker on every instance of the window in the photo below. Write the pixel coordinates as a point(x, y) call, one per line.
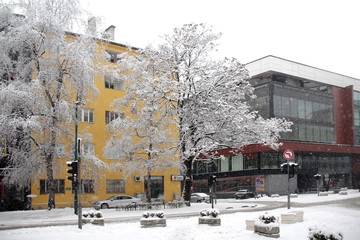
point(113, 57)
point(269, 160)
point(237, 163)
point(87, 186)
point(60, 150)
point(357, 117)
point(88, 149)
point(157, 186)
point(59, 186)
point(87, 115)
point(113, 152)
point(224, 166)
point(115, 186)
point(109, 116)
point(114, 83)
point(251, 161)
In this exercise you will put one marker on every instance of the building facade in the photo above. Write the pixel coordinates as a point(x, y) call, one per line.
point(324, 108)
point(93, 119)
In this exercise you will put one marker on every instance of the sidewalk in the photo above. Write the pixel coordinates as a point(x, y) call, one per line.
point(66, 216)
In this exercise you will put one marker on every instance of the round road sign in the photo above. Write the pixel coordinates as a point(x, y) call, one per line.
point(288, 154)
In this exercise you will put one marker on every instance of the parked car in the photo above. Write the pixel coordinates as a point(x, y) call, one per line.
point(244, 193)
point(199, 197)
point(116, 201)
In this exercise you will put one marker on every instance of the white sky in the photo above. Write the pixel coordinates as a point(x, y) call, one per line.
point(319, 33)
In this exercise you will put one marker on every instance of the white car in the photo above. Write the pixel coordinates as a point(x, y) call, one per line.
point(115, 201)
point(199, 197)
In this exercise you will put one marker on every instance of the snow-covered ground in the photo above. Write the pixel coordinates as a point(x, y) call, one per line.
point(336, 216)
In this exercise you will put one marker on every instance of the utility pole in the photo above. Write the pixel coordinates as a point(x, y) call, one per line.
point(288, 155)
point(79, 184)
point(288, 190)
point(75, 185)
point(77, 197)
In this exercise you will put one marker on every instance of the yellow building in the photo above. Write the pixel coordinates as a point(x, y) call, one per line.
point(94, 118)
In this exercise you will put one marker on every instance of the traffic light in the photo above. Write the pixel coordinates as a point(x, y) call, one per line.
point(292, 171)
point(317, 177)
point(284, 168)
point(210, 181)
point(73, 171)
point(213, 178)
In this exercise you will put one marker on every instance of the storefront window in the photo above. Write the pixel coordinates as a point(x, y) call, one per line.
point(237, 163)
point(251, 161)
point(269, 161)
point(157, 186)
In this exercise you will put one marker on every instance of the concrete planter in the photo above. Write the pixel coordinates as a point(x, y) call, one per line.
point(299, 215)
point(250, 224)
point(288, 218)
point(210, 217)
point(95, 218)
point(210, 221)
point(153, 219)
point(152, 222)
point(272, 230)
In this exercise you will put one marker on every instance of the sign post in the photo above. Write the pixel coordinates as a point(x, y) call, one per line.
point(288, 155)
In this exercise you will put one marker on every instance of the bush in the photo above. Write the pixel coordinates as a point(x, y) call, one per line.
point(316, 233)
point(266, 218)
point(159, 214)
point(209, 212)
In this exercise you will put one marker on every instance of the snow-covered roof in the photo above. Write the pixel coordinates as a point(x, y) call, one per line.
point(276, 64)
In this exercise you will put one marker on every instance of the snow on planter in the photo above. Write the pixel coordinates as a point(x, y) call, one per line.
point(153, 219)
point(316, 233)
point(210, 217)
point(93, 217)
point(267, 225)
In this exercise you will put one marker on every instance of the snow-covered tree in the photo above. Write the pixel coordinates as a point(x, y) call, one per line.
point(45, 71)
point(210, 97)
point(146, 139)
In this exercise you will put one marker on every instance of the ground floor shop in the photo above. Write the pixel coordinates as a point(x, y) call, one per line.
point(260, 171)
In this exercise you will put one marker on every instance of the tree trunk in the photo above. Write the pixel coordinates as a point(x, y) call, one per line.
point(148, 186)
point(188, 179)
point(49, 166)
point(50, 183)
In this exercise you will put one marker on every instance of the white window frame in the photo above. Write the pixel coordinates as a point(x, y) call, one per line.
point(88, 149)
point(110, 116)
point(111, 82)
point(85, 115)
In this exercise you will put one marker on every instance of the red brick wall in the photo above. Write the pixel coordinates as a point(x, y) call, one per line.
point(344, 115)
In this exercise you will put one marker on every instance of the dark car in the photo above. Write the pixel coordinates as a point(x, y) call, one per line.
point(244, 193)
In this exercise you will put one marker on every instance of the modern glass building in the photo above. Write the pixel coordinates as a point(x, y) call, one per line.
point(325, 110)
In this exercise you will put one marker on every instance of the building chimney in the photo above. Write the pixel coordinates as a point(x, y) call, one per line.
point(91, 28)
point(110, 33)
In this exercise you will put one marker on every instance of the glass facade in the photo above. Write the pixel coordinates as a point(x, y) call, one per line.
point(311, 110)
point(310, 106)
point(335, 169)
